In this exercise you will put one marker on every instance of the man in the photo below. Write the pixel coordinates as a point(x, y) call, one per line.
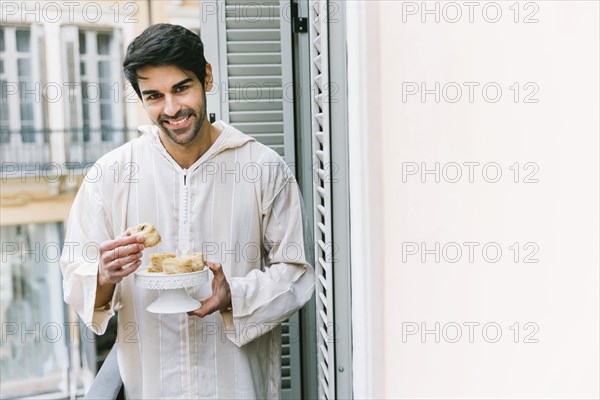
point(206, 188)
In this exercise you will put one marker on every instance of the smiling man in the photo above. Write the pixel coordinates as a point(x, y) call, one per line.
point(177, 119)
point(175, 100)
point(206, 187)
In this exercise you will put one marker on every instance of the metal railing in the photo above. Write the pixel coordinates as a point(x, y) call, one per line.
point(35, 151)
point(24, 149)
point(107, 383)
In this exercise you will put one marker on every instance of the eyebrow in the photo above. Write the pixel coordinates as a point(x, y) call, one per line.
point(178, 84)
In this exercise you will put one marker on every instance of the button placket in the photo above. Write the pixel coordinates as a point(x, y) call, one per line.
point(184, 216)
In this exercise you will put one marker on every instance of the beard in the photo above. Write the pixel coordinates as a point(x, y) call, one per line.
point(177, 135)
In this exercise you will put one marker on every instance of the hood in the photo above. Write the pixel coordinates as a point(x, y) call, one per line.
point(230, 138)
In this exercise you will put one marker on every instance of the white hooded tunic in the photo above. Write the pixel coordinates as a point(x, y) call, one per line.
point(239, 204)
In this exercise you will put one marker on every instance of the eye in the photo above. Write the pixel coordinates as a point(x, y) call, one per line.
point(180, 89)
point(153, 96)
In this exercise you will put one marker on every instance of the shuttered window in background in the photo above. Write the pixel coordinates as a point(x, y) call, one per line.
point(95, 114)
point(322, 197)
point(252, 67)
point(329, 111)
point(34, 351)
point(23, 140)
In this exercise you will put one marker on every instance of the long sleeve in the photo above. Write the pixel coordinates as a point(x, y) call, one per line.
point(88, 226)
point(264, 298)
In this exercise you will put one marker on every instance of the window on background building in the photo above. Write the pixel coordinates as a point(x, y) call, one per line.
point(20, 109)
point(100, 88)
point(38, 334)
point(23, 139)
point(95, 112)
point(4, 122)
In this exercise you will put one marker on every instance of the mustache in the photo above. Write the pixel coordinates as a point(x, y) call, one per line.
point(181, 113)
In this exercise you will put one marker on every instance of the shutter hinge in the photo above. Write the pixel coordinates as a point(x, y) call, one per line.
point(300, 24)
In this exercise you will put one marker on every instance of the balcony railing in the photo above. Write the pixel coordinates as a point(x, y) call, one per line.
point(24, 149)
point(36, 150)
point(107, 383)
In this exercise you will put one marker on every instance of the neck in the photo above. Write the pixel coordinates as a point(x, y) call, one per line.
point(187, 154)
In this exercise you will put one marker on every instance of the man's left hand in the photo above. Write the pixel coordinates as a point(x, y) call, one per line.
point(220, 299)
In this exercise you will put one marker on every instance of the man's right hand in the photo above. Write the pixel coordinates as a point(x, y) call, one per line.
point(119, 257)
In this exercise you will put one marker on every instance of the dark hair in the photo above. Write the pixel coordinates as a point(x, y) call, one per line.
point(165, 44)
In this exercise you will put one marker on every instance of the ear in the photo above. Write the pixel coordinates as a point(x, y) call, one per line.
point(208, 81)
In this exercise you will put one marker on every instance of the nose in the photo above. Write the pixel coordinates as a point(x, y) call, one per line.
point(172, 106)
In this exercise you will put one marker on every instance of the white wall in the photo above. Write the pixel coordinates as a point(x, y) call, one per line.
point(558, 215)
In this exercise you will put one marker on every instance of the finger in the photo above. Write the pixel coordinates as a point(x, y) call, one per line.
point(121, 241)
point(216, 268)
point(208, 307)
point(121, 262)
point(127, 250)
point(123, 251)
point(117, 242)
point(127, 270)
point(131, 268)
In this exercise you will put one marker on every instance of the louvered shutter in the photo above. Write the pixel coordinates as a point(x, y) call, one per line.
point(320, 111)
point(252, 70)
point(253, 58)
point(73, 108)
point(118, 111)
point(23, 109)
point(38, 63)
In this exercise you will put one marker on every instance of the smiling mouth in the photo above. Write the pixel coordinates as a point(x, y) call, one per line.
point(176, 122)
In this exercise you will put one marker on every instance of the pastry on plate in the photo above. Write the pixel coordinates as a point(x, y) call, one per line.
point(197, 260)
point(177, 265)
point(156, 261)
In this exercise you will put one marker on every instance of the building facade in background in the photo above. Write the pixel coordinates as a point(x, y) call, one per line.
point(64, 103)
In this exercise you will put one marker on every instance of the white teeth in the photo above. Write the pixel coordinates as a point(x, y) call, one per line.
point(178, 122)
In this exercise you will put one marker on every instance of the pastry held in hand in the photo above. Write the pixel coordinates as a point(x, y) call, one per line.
point(156, 261)
point(149, 232)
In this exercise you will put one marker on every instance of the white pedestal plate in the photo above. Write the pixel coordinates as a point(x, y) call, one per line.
point(172, 297)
